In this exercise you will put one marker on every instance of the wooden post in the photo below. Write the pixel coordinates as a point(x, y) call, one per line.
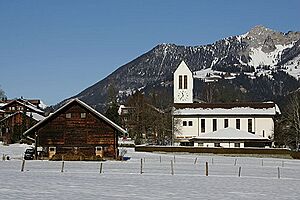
point(206, 169)
point(172, 169)
point(235, 162)
point(23, 165)
point(240, 170)
point(3, 157)
point(62, 166)
point(195, 161)
point(141, 165)
point(278, 173)
point(101, 167)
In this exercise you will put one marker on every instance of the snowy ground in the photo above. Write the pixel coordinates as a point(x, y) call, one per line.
point(122, 180)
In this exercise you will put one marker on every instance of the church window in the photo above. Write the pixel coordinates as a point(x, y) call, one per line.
point(202, 125)
point(180, 82)
point(214, 124)
point(190, 123)
point(238, 124)
point(185, 82)
point(184, 123)
point(250, 125)
point(225, 123)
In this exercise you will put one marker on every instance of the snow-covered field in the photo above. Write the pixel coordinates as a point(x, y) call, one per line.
point(122, 180)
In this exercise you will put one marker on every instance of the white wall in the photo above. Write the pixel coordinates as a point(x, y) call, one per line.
point(183, 70)
point(259, 125)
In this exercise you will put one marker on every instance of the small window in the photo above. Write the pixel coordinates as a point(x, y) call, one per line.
point(13, 108)
point(202, 125)
point(217, 145)
point(238, 124)
point(237, 145)
point(200, 144)
point(190, 123)
point(68, 115)
point(180, 82)
point(214, 124)
point(185, 83)
point(184, 123)
point(82, 115)
point(250, 125)
point(52, 148)
point(263, 133)
point(225, 123)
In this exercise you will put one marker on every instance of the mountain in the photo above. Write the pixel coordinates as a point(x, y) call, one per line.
point(261, 58)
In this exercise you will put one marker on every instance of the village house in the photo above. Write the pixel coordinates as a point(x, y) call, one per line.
point(76, 130)
point(16, 116)
point(236, 124)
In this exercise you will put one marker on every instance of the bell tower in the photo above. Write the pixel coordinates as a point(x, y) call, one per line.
point(183, 84)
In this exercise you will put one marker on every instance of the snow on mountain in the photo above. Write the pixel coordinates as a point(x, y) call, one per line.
point(260, 51)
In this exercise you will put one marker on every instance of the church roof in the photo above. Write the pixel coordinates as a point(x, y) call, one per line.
point(229, 134)
point(234, 108)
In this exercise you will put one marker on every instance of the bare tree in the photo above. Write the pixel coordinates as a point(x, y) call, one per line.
point(293, 118)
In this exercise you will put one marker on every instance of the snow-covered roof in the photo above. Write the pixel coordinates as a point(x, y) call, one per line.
point(26, 104)
point(268, 108)
point(230, 134)
point(37, 126)
point(35, 116)
point(2, 104)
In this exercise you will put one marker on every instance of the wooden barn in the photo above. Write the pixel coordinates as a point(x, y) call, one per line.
point(76, 130)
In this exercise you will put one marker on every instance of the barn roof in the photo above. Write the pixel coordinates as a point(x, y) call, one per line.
point(37, 117)
point(27, 104)
point(79, 102)
point(229, 134)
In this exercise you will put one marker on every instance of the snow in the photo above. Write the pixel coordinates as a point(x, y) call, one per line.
point(258, 57)
point(42, 105)
point(293, 67)
point(35, 116)
point(122, 180)
point(223, 111)
point(229, 133)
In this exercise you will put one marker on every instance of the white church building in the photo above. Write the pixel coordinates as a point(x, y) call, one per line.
point(236, 124)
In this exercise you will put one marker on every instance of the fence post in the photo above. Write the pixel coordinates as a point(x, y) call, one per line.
point(23, 165)
point(278, 173)
point(3, 157)
point(141, 165)
point(101, 167)
point(172, 169)
point(62, 166)
point(195, 161)
point(240, 170)
point(206, 169)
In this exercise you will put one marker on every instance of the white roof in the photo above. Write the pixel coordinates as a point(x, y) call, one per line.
point(35, 116)
point(2, 104)
point(230, 133)
point(224, 111)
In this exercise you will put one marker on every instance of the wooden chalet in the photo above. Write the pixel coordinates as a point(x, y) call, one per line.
point(16, 116)
point(76, 130)
point(13, 125)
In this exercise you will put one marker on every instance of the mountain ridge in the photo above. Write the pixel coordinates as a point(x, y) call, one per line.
point(259, 51)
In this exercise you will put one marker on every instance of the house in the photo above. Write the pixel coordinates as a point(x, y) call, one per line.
point(76, 129)
point(16, 116)
point(13, 125)
point(197, 123)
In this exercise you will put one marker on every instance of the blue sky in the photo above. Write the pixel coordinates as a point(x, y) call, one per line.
point(54, 49)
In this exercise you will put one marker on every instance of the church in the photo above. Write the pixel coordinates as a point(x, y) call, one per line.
point(228, 125)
